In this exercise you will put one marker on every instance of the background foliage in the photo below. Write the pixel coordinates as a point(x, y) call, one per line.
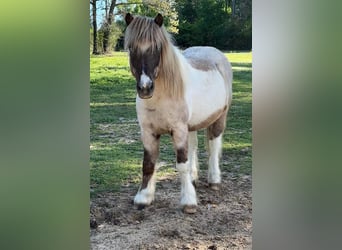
point(225, 24)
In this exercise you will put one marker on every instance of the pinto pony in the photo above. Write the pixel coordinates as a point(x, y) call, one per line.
point(177, 94)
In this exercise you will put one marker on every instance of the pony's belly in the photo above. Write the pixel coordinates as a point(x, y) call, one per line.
point(203, 120)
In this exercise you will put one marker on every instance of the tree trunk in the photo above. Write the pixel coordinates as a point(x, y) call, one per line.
point(95, 51)
point(106, 8)
point(233, 8)
point(109, 21)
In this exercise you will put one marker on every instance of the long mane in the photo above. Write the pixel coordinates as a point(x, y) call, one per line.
point(142, 32)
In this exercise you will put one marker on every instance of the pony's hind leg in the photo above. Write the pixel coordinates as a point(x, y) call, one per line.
point(214, 173)
point(192, 156)
point(214, 133)
point(145, 195)
point(188, 194)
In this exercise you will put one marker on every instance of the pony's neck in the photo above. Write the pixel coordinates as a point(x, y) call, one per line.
point(171, 76)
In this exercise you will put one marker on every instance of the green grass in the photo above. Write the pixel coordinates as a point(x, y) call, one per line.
point(115, 148)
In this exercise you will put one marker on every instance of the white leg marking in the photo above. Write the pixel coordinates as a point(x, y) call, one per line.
point(188, 193)
point(146, 195)
point(192, 155)
point(214, 173)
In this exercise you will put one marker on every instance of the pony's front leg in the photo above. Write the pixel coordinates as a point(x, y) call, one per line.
point(146, 191)
point(188, 194)
point(192, 156)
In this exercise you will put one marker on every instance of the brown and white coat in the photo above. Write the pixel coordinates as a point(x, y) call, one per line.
point(178, 94)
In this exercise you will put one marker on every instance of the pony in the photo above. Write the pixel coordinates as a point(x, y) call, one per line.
point(178, 93)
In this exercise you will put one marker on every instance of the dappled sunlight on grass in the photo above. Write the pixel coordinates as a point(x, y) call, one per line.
point(241, 68)
point(243, 57)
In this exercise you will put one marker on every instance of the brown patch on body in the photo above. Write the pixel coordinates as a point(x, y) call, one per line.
point(210, 120)
point(182, 155)
point(148, 168)
point(150, 157)
point(201, 64)
point(215, 129)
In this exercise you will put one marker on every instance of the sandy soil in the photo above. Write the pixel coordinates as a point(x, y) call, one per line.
point(223, 219)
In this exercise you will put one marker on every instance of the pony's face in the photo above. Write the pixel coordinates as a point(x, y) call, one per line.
point(144, 54)
point(145, 67)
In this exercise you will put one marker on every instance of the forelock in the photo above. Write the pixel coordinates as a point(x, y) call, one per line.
point(143, 33)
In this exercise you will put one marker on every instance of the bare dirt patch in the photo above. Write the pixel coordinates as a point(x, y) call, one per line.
point(223, 219)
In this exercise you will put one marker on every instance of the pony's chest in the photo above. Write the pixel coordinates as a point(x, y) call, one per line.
point(161, 118)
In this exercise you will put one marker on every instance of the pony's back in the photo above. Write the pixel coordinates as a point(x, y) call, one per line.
point(210, 58)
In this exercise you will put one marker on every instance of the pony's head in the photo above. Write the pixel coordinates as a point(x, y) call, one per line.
point(144, 38)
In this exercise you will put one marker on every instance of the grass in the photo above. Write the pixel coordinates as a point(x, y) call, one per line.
point(115, 148)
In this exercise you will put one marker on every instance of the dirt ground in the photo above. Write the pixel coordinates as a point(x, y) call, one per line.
point(223, 219)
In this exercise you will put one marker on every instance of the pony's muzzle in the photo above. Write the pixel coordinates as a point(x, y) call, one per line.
point(145, 89)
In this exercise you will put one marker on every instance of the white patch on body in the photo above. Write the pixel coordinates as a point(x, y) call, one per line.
point(214, 173)
point(146, 195)
point(207, 96)
point(188, 193)
point(205, 91)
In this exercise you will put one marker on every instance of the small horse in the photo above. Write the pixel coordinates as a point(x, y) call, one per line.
point(177, 94)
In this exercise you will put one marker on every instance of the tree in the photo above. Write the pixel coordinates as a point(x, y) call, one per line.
point(143, 7)
point(109, 18)
point(225, 24)
point(107, 25)
point(94, 22)
point(166, 7)
point(199, 21)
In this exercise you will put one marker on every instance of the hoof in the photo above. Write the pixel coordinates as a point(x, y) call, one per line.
point(190, 209)
point(214, 186)
point(93, 223)
point(141, 206)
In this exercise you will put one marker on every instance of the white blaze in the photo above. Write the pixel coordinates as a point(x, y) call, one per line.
point(144, 79)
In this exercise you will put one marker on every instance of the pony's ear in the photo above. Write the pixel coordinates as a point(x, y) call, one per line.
point(159, 20)
point(128, 18)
